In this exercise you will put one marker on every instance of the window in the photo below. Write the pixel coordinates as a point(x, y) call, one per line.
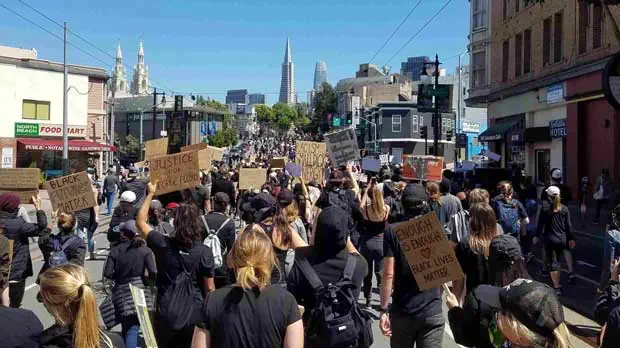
point(36, 110)
point(505, 57)
point(444, 125)
point(583, 26)
point(505, 9)
point(518, 53)
point(479, 69)
point(479, 14)
point(414, 123)
point(597, 25)
point(527, 51)
point(557, 37)
point(546, 41)
point(396, 126)
point(421, 121)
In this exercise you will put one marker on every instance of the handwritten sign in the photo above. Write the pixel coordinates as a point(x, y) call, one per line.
point(278, 162)
point(175, 172)
point(194, 147)
point(252, 178)
point(143, 316)
point(342, 146)
point(218, 153)
point(155, 148)
point(429, 254)
point(422, 167)
point(23, 182)
point(71, 193)
point(311, 156)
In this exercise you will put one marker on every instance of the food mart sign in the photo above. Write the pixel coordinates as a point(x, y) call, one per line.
point(47, 130)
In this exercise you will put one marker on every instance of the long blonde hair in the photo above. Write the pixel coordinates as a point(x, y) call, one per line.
point(253, 258)
point(377, 210)
point(482, 228)
point(69, 298)
point(557, 203)
point(561, 335)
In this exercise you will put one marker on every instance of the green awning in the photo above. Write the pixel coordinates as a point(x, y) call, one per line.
point(497, 131)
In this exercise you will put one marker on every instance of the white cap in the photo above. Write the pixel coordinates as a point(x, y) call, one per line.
point(556, 173)
point(128, 197)
point(553, 191)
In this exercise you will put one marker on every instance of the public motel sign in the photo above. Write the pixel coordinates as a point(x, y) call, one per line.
point(47, 130)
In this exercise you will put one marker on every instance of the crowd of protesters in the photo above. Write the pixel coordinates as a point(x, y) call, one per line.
point(278, 265)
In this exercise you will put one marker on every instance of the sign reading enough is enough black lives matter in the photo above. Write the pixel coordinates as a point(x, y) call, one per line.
point(342, 146)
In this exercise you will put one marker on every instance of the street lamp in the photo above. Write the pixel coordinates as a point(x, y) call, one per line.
point(142, 123)
point(375, 131)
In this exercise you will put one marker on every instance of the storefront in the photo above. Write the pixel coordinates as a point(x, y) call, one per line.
point(506, 137)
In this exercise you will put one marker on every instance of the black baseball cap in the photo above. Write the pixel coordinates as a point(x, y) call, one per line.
point(534, 304)
point(221, 197)
point(285, 197)
point(503, 252)
point(128, 228)
point(260, 201)
point(413, 194)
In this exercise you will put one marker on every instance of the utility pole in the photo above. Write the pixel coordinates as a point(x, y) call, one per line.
point(155, 94)
point(112, 135)
point(65, 110)
point(458, 118)
point(436, 115)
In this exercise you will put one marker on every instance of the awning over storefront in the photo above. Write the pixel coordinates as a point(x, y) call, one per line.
point(56, 145)
point(497, 131)
point(537, 134)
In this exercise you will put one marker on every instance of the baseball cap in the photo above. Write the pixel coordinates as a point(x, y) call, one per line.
point(413, 193)
point(221, 197)
point(155, 204)
point(129, 228)
point(532, 303)
point(553, 191)
point(128, 197)
point(503, 252)
point(556, 173)
point(172, 205)
point(260, 201)
point(285, 197)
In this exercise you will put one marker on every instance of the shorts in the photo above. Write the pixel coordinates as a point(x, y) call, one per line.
point(553, 252)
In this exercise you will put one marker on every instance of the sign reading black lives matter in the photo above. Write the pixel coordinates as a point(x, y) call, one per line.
point(71, 193)
point(175, 172)
point(429, 254)
point(342, 146)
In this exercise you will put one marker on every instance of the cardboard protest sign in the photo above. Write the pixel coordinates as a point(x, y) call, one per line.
point(294, 169)
point(311, 156)
point(252, 178)
point(175, 172)
point(428, 252)
point(342, 146)
point(71, 193)
point(194, 147)
point(155, 148)
point(278, 162)
point(371, 165)
point(142, 164)
point(23, 182)
point(139, 301)
point(216, 153)
point(422, 167)
point(252, 158)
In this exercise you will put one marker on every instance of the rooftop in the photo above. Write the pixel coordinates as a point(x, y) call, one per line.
point(46, 65)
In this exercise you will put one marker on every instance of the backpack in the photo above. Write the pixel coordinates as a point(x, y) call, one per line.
point(59, 257)
point(212, 241)
point(397, 212)
point(178, 304)
point(508, 217)
point(337, 321)
point(338, 199)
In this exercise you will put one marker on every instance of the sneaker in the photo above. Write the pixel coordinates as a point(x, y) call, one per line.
point(529, 257)
point(572, 278)
point(92, 256)
point(368, 301)
point(558, 291)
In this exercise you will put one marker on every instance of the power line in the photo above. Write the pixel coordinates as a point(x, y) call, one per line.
point(419, 31)
point(395, 30)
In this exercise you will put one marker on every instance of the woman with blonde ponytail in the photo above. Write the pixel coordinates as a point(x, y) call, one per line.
point(70, 299)
point(251, 312)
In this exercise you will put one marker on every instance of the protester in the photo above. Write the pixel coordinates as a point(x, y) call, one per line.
point(218, 223)
point(611, 248)
point(513, 218)
point(375, 212)
point(287, 203)
point(5, 267)
point(250, 313)
point(123, 212)
point(457, 229)
point(135, 185)
point(603, 190)
point(157, 215)
point(70, 299)
point(19, 231)
point(110, 185)
point(222, 183)
point(171, 211)
point(608, 309)
point(444, 204)
point(472, 324)
point(66, 243)
point(87, 223)
point(415, 317)
point(554, 226)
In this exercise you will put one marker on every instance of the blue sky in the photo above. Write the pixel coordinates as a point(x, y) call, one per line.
point(216, 45)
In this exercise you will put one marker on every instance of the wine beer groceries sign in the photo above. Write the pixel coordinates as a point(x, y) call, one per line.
point(47, 130)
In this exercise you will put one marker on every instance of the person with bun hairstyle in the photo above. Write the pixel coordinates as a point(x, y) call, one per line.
point(250, 313)
point(68, 296)
point(65, 240)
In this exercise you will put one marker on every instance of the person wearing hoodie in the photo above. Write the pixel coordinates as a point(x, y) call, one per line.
point(123, 212)
point(17, 230)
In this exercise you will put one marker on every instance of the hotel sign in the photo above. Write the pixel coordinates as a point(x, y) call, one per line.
point(47, 130)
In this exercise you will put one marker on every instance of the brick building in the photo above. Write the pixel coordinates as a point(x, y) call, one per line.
point(545, 97)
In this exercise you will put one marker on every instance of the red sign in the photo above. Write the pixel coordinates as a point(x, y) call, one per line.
point(422, 167)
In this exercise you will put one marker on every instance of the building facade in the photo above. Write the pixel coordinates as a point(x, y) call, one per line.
point(287, 84)
point(546, 97)
point(320, 75)
point(256, 98)
point(31, 95)
point(413, 67)
point(237, 96)
point(140, 84)
point(118, 82)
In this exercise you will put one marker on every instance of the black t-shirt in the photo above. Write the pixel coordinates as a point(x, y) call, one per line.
point(329, 271)
point(407, 298)
point(226, 186)
point(126, 261)
point(198, 259)
point(253, 318)
point(475, 267)
point(19, 328)
point(138, 187)
point(227, 236)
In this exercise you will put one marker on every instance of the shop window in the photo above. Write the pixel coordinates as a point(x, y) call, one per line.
point(583, 26)
point(527, 51)
point(414, 123)
point(557, 37)
point(396, 125)
point(597, 25)
point(518, 48)
point(35, 110)
point(546, 41)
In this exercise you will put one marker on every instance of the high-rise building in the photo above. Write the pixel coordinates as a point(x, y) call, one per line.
point(140, 84)
point(118, 82)
point(287, 84)
point(320, 75)
point(237, 96)
point(413, 67)
point(257, 98)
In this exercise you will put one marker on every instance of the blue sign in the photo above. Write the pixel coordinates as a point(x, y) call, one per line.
point(557, 128)
point(212, 128)
point(555, 93)
point(203, 128)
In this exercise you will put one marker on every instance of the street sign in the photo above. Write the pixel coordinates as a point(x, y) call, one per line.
point(557, 128)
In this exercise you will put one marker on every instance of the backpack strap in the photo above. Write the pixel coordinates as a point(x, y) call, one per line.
point(204, 222)
point(349, 269)
point(222, 226)
point(68, 242)
point(310, 274)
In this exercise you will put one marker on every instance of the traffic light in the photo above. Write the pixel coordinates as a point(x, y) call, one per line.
point(449, 135)
point(424, 132)
point(349, 118)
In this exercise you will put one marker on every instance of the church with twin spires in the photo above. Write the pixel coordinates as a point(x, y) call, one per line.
point(140, 83)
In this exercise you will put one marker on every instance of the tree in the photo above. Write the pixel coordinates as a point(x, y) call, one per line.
point(224, 138)
point(217, 105)
point(131, 147)
point(325, 102)
point(265, 114)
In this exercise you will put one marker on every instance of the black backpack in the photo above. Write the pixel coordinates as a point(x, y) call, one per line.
point(178, 304)
point(338, 199)
point(337, 321)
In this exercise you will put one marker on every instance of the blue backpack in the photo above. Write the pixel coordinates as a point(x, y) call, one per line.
point(59, 257)
point(508, 217)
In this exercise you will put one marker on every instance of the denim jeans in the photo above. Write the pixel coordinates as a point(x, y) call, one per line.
point(131, 329)
point(611, 251)
point(87, 236)
point(372, 251)
point(410, 331)
point(109, 197)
